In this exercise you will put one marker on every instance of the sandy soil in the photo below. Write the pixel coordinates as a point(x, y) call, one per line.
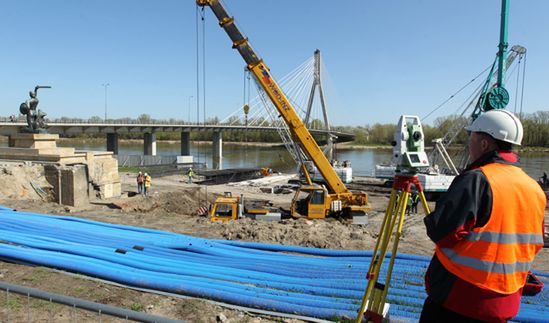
point(173, 205)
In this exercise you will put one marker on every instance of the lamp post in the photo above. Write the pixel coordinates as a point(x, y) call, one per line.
point(105, 85)
point(189, 117)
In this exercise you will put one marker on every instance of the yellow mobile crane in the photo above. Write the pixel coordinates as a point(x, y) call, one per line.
point(319, 201)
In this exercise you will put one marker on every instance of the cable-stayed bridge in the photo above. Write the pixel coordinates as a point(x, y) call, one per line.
point(258, 114)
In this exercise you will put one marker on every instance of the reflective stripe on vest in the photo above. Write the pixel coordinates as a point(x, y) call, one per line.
point(505, 238)
point(499, 255)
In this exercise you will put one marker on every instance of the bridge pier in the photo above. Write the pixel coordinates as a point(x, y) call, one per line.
point(112, 143)
point(149, 144)
point(217, 146)
point(185, 143)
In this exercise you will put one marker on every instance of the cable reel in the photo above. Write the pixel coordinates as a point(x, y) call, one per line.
point(497, 98)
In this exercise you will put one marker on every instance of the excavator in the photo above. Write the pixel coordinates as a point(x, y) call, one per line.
point(311, 200)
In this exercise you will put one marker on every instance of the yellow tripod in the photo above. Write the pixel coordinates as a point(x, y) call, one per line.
point(376, 292)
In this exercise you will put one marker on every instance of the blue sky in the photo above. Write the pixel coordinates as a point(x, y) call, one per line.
point(384, 58)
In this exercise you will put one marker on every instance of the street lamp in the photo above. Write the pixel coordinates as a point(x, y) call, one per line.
point(105, 85)
point(189, 118)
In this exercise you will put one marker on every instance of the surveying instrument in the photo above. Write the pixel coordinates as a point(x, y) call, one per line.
point(409, 157)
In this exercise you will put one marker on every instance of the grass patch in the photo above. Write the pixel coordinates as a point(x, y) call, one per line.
point(138, 307)
point(38, 274)
point(129, 169)
point(14, 304)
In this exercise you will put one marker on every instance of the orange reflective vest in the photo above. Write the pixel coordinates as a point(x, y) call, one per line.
point(499, 255)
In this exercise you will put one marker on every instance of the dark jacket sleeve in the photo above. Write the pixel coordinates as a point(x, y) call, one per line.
point(466, 205)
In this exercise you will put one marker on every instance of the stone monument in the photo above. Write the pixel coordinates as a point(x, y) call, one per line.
point(75, 176)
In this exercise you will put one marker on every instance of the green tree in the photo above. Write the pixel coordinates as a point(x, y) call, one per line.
point(144, 118)
point(95, 119)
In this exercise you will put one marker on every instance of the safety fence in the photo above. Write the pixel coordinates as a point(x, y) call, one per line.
point(145, 160)
point(158, 165)
point(24, 304)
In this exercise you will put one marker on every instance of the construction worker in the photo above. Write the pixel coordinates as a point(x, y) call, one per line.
point(409, 204)
point(140, 180)
point(190, 174)
point(486, 232)
point(147, 184)
point(415, 202)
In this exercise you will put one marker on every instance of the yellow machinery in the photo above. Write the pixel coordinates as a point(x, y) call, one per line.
point(225, 208)
point(230, 207)
point(319, 201)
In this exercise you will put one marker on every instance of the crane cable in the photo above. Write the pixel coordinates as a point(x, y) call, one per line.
point(453, 95)
point(522, 91)
point(517, 86)
point(246, 102)
point(200, 13)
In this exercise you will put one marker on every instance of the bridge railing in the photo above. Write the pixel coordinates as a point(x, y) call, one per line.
point(146, 123)
point(22, 119)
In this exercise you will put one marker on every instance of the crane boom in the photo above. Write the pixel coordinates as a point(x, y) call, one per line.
point(261, 72)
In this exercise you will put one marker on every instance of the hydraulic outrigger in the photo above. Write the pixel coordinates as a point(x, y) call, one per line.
point(320, 202)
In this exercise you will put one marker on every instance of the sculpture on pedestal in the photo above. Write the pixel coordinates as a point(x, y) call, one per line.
point(35, 118)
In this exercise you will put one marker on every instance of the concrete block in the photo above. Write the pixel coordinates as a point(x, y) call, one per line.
point(110, 190)
point(74, 184)
point(269, 216)
point(34, 140)
point(184, 159)
point(53, 176)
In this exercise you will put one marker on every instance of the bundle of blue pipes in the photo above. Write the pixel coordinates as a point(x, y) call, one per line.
point(319, 283)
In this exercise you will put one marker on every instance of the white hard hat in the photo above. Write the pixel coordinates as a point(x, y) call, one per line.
point(146, 174)
point(500, 124)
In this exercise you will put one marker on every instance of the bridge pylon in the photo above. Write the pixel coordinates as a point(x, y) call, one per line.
point(329, 152)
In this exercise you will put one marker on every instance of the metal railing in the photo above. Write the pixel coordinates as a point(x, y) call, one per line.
point(123, 121)
point(145, 160)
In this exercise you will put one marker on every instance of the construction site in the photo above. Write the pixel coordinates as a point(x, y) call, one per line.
point(85, 237)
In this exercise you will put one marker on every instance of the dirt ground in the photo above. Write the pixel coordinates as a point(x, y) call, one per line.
point(173, 205)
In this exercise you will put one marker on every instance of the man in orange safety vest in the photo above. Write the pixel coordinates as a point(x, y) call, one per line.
point(487, 230)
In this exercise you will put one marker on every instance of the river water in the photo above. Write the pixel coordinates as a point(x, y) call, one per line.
point(237, 156)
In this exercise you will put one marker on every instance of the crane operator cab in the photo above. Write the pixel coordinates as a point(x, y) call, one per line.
point(310, 201)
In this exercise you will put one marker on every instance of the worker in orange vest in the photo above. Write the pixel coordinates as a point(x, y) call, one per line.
point(487, 229)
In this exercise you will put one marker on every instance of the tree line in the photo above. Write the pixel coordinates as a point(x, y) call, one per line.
point(536, 130)
point(535, 126)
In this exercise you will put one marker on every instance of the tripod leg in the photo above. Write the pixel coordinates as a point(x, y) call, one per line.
point(402, 211)
point(424, 203)
point(376, 292)
point(393, 211)
point(375, 263)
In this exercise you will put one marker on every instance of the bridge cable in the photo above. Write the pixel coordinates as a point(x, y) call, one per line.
point(287, 82)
